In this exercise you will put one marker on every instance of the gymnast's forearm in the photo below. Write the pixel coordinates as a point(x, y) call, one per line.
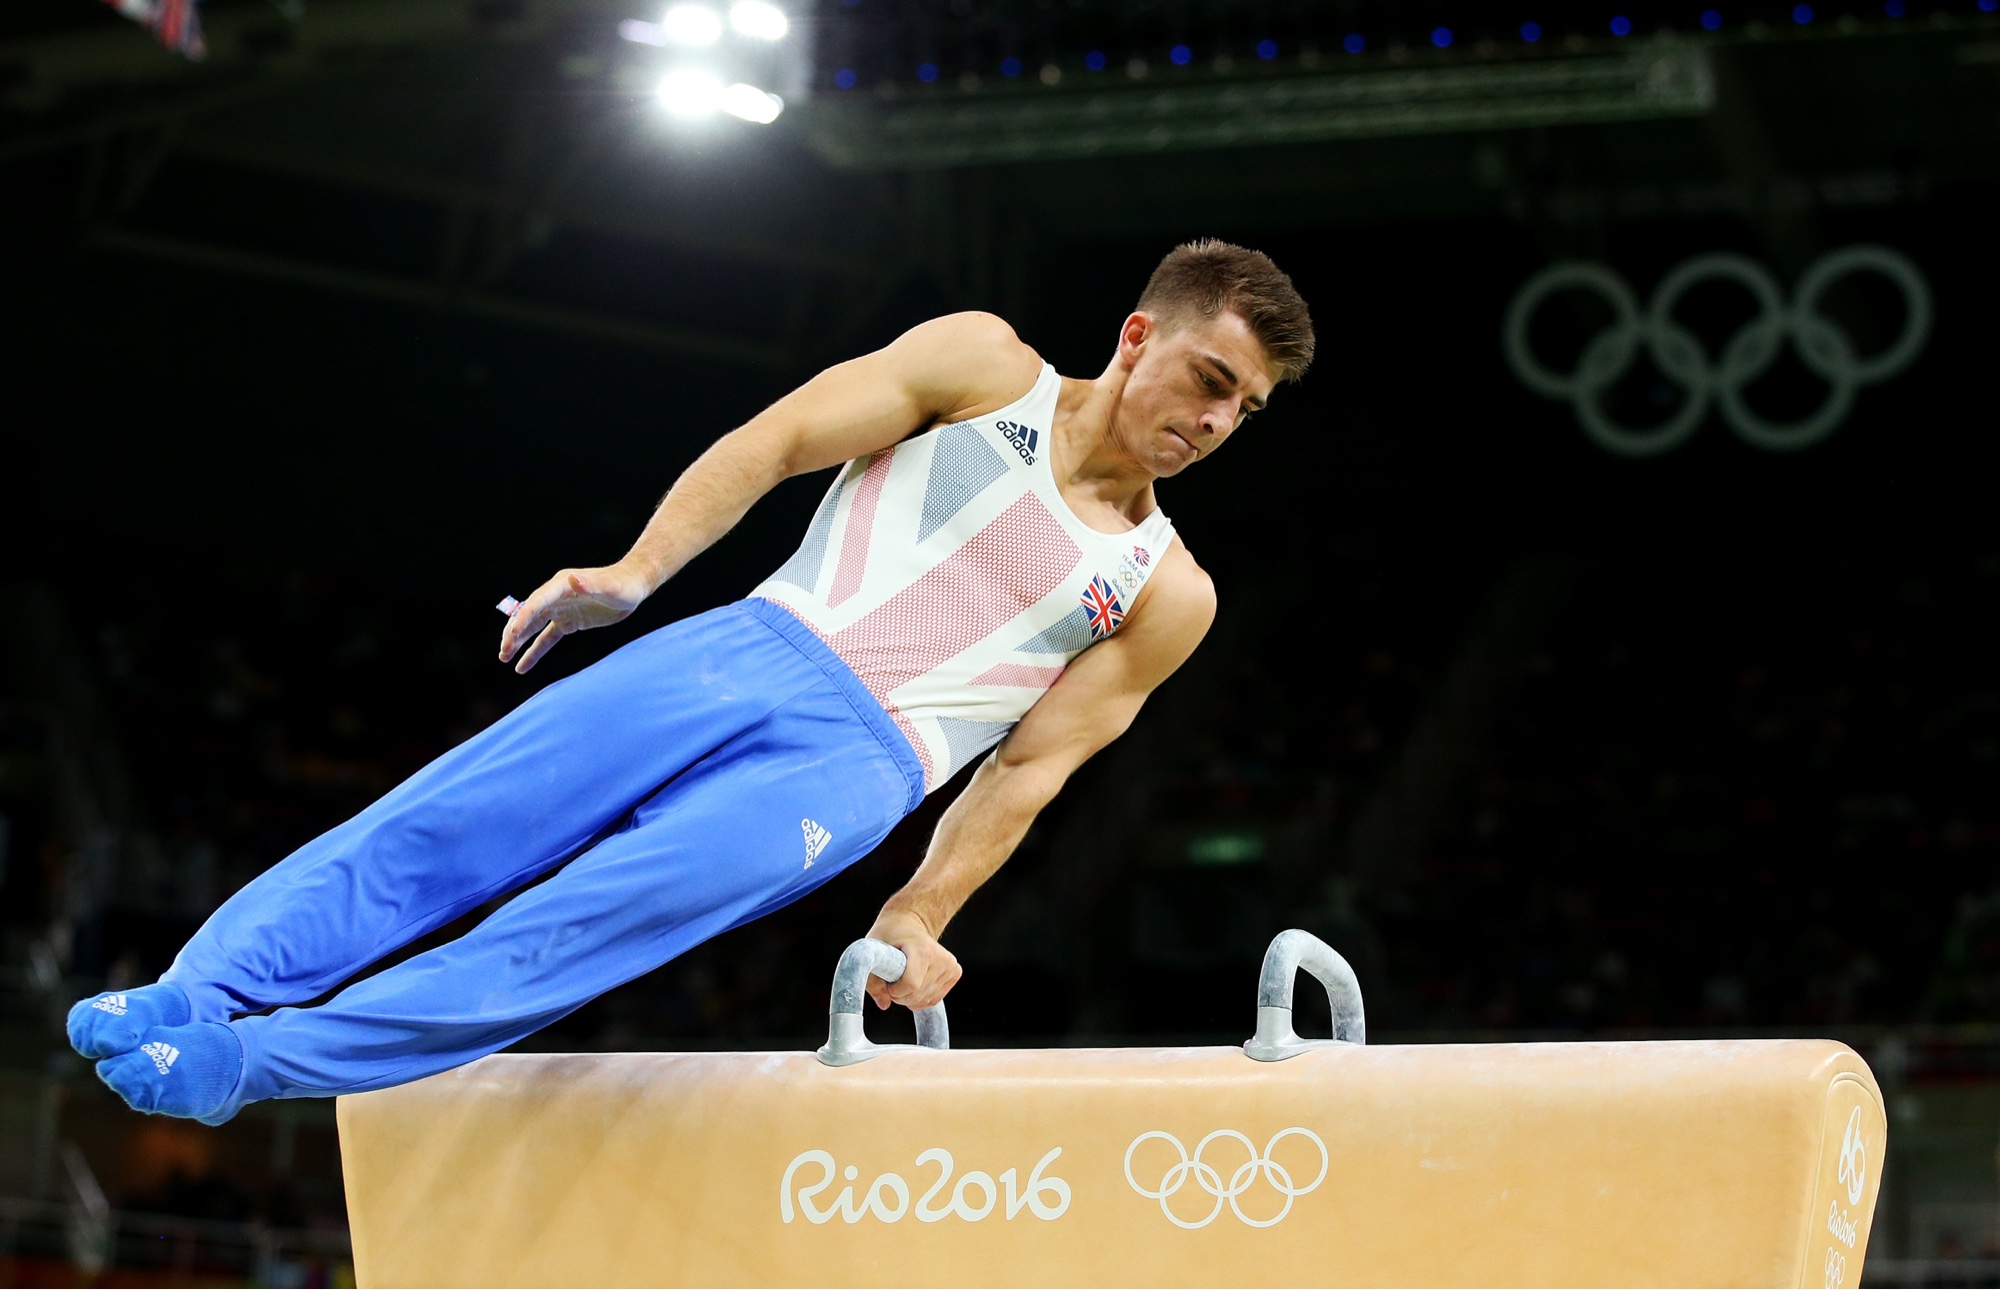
point(708, 500)
point(850, 410)
point(976, 836)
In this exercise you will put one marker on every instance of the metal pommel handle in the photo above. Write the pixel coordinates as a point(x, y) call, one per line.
point(1275, 1039)
point(846, 1042)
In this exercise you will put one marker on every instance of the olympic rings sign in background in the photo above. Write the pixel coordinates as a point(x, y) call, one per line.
point(1241, 1179)
point(1822, 346)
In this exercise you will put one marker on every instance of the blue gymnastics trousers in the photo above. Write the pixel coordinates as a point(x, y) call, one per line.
point(702, 776)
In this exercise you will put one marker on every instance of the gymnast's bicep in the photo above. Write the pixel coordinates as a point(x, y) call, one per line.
point(933, 371)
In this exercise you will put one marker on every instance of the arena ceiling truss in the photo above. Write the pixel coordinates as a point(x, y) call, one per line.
point(503, 159)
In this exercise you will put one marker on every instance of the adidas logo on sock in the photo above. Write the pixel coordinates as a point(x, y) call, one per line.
point(111, 1003)
point(163, 1055)
point(816, 840)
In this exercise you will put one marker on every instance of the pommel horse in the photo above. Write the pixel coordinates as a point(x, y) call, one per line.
point(1287, 1162)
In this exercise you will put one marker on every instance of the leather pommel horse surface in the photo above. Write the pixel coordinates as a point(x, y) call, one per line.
point(1660, 1163)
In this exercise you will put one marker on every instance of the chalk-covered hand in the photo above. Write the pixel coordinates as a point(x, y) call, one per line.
point(933, 970)
point(573, 600)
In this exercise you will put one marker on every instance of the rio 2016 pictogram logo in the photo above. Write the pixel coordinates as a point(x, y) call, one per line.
point(1853, 1167)
point(1242, 1178)
point(1720, 382)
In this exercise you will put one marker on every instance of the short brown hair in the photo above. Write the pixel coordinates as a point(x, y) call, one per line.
point(1208, 277)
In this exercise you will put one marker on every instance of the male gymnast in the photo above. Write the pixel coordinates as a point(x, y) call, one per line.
point(989, 578)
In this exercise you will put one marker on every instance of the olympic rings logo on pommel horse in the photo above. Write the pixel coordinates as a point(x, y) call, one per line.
point(1240, 1181)
point(1823, 347)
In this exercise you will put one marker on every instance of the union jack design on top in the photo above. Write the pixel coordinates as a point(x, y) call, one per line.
point(1140, 555)
point(1101, 603)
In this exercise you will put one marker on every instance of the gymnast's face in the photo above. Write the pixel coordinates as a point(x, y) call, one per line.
point(1188, 387)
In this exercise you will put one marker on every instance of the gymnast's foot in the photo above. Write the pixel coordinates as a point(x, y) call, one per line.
point(188, 1071)
point(109, 1024)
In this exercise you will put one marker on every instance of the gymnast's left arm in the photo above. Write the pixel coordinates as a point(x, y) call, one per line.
point(1091, 704)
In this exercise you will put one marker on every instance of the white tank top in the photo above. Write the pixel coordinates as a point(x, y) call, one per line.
point(951, 576)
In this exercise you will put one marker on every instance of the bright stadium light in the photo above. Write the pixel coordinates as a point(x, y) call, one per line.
point(642, 33)
point(691, 92)
point(751, 104)
point(759, 20)
point(692, 24)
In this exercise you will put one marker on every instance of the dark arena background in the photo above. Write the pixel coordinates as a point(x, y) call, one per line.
point(1658, 700)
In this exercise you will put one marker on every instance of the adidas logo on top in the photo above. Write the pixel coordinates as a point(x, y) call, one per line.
point(163, 1055)
point(1024, 439)
point(816, 840)
point(111, 1003)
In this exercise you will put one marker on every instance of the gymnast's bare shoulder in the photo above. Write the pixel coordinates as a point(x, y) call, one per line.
point(980, 364)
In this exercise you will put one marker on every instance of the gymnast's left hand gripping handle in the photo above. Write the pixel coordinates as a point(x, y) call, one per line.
point(846, 1043)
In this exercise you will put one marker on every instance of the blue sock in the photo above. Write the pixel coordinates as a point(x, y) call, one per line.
point(189, 1071)
point(108, 1024)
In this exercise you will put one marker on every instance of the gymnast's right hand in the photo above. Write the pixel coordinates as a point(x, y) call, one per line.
point(573, 600)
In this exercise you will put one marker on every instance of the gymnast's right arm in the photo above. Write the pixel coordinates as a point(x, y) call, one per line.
point(937, 370)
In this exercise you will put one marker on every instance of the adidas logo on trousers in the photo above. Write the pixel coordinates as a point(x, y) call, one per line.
point(816, 840)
